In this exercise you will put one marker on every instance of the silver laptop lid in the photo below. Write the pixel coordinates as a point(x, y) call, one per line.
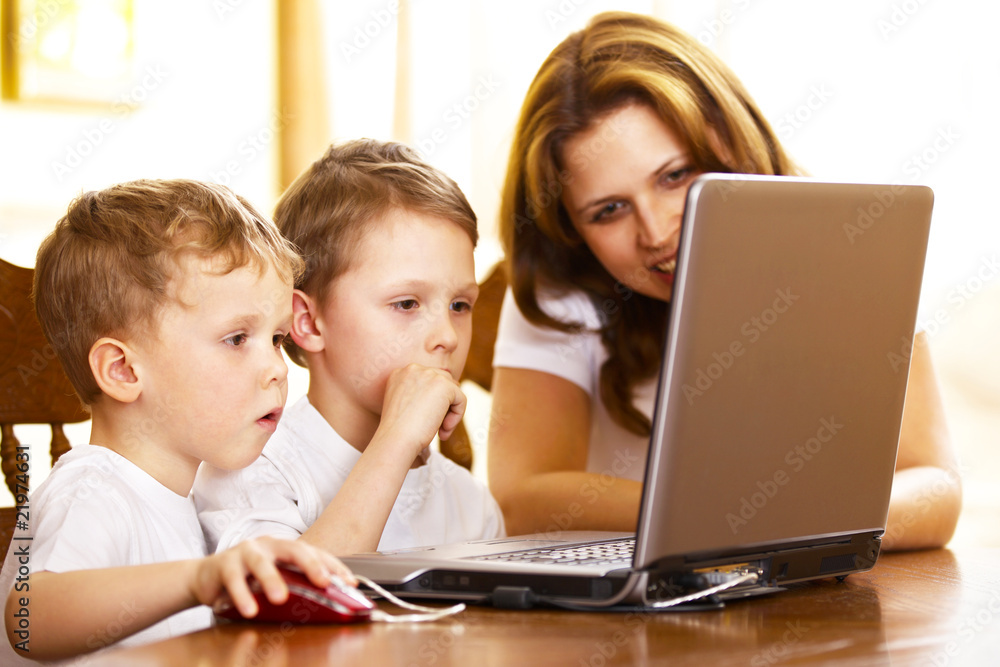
point(786, 364)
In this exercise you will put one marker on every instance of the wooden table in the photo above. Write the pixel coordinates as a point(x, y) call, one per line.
point(932, 608)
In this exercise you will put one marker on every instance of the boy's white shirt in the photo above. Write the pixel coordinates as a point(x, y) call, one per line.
point(96, 510)
point(303, 466)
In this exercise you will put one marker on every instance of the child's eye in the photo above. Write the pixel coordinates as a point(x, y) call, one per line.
point(236, 340)
point(405, 304)
point(461, 307)
point(278, 339)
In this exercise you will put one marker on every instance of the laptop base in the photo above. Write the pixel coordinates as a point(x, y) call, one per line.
point(760, 571)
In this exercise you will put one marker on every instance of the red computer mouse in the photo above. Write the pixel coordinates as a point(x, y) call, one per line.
point(307, 603)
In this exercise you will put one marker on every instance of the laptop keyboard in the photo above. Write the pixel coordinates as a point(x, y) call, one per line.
point(616, 552)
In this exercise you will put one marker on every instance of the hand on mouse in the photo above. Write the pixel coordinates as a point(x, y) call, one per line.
point(306, 602)
point(228, 571)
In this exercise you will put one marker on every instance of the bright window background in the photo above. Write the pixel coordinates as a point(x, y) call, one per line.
point(896, 91)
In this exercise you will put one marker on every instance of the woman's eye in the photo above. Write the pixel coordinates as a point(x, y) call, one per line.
point(676, 176)
point(405, 304)
point(607, 210)
point(236, 340)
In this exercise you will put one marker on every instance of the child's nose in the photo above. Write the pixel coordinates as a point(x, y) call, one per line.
point(276, 370)
point(443, 332)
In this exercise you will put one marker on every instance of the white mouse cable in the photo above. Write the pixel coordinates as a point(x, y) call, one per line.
point(424, 614)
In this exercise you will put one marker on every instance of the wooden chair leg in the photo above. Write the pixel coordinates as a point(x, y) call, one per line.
point(8, 518)
point(60, 443)
point(8, 456)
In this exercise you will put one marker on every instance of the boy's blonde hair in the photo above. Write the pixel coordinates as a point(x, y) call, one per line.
point(327, 211)
point(105, 269)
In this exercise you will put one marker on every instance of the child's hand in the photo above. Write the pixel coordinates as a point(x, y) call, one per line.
point(229, 569)
point(421, 402)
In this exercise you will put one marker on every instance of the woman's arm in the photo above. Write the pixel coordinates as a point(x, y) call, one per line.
point(927, 488)
point(537, 452)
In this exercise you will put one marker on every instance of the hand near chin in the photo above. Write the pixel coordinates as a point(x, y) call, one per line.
point(421, 402)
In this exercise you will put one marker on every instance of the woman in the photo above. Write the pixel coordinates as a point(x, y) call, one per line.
point(619, 120)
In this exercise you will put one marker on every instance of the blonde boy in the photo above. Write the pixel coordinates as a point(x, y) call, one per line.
point(382, 319)
point(167, 303)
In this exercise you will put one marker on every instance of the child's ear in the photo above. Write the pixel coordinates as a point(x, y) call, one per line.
point(111, 363)
point(306, 328)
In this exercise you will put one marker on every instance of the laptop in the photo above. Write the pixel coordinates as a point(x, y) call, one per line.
point(776, 421)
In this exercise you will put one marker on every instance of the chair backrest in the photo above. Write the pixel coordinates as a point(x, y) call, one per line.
point(479, 365)
point(34, 388)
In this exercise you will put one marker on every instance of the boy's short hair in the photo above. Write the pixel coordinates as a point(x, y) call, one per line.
point(327, 211)
point(105, 269)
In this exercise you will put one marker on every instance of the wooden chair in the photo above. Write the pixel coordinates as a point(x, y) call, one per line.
point(479, 366)
point(34, 388)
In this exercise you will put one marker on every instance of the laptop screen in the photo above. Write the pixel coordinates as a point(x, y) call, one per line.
point(786, 362)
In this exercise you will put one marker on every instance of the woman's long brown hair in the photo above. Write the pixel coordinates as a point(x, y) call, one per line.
point(618, 59)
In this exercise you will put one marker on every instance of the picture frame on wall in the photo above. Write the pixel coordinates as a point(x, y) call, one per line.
point(66, 51)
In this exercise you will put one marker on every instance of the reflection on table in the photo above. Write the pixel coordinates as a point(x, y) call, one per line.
point(931, 608)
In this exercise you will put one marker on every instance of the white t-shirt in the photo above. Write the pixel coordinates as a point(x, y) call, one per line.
point(578, 358)
point(302, 468)
point(96, 510)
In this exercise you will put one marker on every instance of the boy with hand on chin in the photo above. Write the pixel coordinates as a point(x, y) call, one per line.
point(167, 303)
point(382, 319)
